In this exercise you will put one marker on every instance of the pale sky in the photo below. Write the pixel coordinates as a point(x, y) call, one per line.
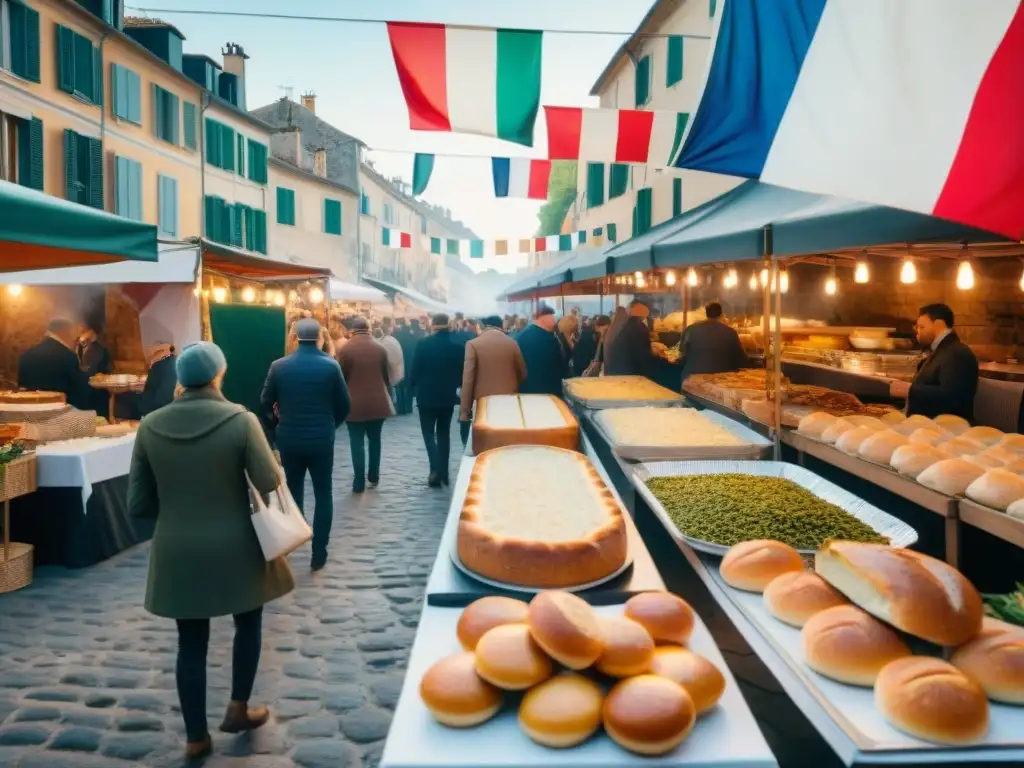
point(350, 68)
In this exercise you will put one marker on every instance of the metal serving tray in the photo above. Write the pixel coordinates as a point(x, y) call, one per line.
point(597, 405)
point(754, 445)
point(899, 533)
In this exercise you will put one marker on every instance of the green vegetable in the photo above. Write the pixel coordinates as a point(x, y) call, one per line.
point(10, 452)
point(729, 508)
point(1008, 608)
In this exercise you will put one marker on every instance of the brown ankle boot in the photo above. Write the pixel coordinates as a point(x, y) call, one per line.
point(240, 717)
point(197, 749)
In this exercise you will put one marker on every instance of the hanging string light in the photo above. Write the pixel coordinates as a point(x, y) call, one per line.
point(691, 278)
point(964, 273)
point(783, 281)
point(640, 281)
point(908, 272)
point(764, 276)
point(670, 278)
point(861, 273)
point(14, 290)
point(831, 284)
point(316, 295)
point(220, 294)
point(249, 295)
point(753, 281)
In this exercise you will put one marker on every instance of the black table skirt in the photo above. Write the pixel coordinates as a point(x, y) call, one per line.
point(53, 521)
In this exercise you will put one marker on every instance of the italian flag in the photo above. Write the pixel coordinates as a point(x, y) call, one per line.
point(642, 137)
point(469, 79)
point(521, 177)
point(393, 238)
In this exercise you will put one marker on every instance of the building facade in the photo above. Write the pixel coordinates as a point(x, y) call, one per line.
point(659, 68)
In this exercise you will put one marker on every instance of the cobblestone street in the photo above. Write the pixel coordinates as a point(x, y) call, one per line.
point(87, 676)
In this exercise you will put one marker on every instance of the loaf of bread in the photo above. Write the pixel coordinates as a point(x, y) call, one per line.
point(508, 657)
point(962, 446)
point(796, 596)
point(911, 460)
point(628, 648)
point(893, 417)
point(1004, 456)
point(666, 617)
point(846, 644)
point(915, 593)
point(879, 447)
point(995, 660)
point(955, 425)
point(983, 461)
point(950, 476)
point(753, 565)
point(985, 435)
point(814, 424)
point(483, 615)
point(1016, 510)
point(835, 430)
point(648, 714)
point(566, 627)
point(524, 420)
point(928, 436)
point(702, 680)
point(997, 488)
point(850, 441)
point(913, 423)
point(456, 695)
point(872, 423)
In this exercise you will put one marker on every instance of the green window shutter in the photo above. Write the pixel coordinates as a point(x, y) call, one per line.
point(133, 96)
point(65, 59)
point(165, 115)
point(227, 148)
point(595, 184)
point(241, 155)
point(285, 206)
point(210, 219)
point(188, 119)
point(712, 7)
point(82, 69)
point(212, 142)
point(618, 180)
point(332, 217)
point(74, 189)
point(95, 173)
point(30, 153)
point(452, 247)
point(96, 89)
point(675, 60)
point(677, 196)
point(263, 173)
point(364, 205)
point(643, 81)
point(171, 109)
point(260, 220)
point(121, 186)
point(135, 190)
point(613, 233)
point(24, 42)
point(643, 211)
point(118, 92)
point(435, 246)
point(167, 205)
point(257, 170)
point(158, 112)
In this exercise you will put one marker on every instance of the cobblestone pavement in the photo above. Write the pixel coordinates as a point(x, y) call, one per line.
point(87, 676)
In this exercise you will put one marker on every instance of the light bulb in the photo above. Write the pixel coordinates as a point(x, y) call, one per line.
point(861, 273)
point(316, 295)
point(249, 295)
point(219, 294)
point(640, 282)
point(196, 291)
point(638, 275)
point(783, 281)
point(279, 299)
point(691, 277)
point(908, 272)
point(734, 278)
point(764, 276)
point(14, 289)
point(670, 278)
point(830, 286)
point(1022, 280)
point(753, 281)
point(964, 276)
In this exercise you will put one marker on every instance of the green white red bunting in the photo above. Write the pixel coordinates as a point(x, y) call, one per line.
point(479, 249)
point(393, 238)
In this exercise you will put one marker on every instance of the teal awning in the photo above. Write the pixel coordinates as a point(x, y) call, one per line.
point(39, 231)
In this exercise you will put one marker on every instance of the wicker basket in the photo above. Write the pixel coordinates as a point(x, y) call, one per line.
point(18, 477)
point(16, 572)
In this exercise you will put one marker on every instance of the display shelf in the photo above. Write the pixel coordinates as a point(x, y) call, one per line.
point(765, 430)
point(993, 522)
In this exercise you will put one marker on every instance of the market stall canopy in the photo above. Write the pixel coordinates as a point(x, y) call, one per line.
point(342, 291)
point(413, 296)
point(249, 266)
point(38, 231)
point(176, 264)
point(584, 259)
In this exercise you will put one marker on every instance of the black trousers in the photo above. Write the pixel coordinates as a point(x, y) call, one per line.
point(319, 462)
point(193, 642)
point(436, 424)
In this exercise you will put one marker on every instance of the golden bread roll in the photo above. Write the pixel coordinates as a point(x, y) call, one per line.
point(1013, 442)
point(1004, 456)
point(566, 627)
point(932, 700)
point(456, 695)
point(815, 423)
point(667, 617)
point(485, 614)
point(955, 425)
point(915, 593)
point(1016, 510)
point(563, 711)
point(911, 460)
point(628, 648)
point(962, 446)
point(849, 441)
point(950, 476)
point(879, 447)
point(835, 430)
point(702, 680)
point(892, 417)
point(995, 660)
point(507, 657)
point(985, 435)
point(796, 596)
point(997, 488)
point(752, 565)
point(984, 461)
point(848, 645)
point(928, 436)
point(648, 715)
point(913, 423)
point(871, 422)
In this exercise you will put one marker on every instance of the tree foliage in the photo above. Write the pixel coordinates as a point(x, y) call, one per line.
point(561, 194)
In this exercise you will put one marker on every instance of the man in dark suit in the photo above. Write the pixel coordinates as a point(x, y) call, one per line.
point(403, 393)
point(545, 364)
point(629, 352)
point(435, 378)
point(52, 366)
point(711, 346)
point(162, 379)
point(311, 401)
point(947, 379)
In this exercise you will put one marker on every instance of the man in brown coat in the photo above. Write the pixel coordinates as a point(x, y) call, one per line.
point(364, 362)
point(494, 366)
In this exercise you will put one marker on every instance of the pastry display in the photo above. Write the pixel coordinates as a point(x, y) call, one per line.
point(814, 425)
point(932, 700)
point(928, 436)
point(727, 509)
point(984, 435)
point(911, 460)
point(509, 658)
point(563, 711)
point(835, 430)
point(649, 715)
point(917, 594)
point(880, 446)
point(667, 617)
point(955, 425)
point(913, 423)
point(618, 389)
point(950, 476)
point(486, 614)
point(456, 695)
point(561, 527)
point(997, 488)
point(983, 461)
point(846, 644)
point(1004, 456)
point(995, 660)
point(871, 422)
point(796, 596)
point(566, 627)
point(850, 441)
point(753, 565)
point(523, 420)
point(31, 397)
point(628, 648)
point(665, 427)
point(701, 679)
point(962, 446)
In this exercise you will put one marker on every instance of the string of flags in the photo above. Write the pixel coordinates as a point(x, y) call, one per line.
point(519, 177)
point(478, 249)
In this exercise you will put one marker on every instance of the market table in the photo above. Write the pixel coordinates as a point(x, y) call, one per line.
point(726, 737)
point(79, 515)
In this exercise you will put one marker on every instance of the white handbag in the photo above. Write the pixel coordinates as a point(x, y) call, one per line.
point(279, 524)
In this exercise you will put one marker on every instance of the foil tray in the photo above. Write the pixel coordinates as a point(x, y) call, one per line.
point(754, 445)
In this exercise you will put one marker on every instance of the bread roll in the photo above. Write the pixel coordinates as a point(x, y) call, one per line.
point(702, 680)
point(796, 596)
point(997, 488)
point(915, 593)
point(666, 617)
point(1003, 455)
point(892, 417)
point(879, 447)
point(485, 614)
point(752, 565)
point(1017, 467)
point(838, 427)
point(983, 461)
point(932, 700)
point(566, 627)
point(995, 660)
point(1016, 510)
point(456, 695)
point(848, 645)
point(955, 425)
point(990, 627)
point(648, 715)
point(913, 423)
point(985, 435)
point(911, 460)
point(563, 711)
point(1013, 442)
point(950, 476)
point(928, 436)
point(875, 425)
point(628, 648)
point(961, 446)
point(849, 441)
point(814, 424)
point(507, 657)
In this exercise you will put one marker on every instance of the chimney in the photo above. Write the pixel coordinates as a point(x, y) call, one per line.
point(320, 162)
point(309, 101)
point(234, 63)
point(287, 145)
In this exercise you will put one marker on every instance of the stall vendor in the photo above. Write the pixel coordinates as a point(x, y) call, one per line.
point(711, 346)
point(93, 357)
point(628, 352)
point(52, 366)
point(947, 379)
point(162, 378)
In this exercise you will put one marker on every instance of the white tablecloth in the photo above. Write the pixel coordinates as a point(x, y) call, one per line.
point(85, 462)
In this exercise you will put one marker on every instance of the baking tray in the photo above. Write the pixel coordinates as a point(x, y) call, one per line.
point(597, 405)
point(899, 533)
point(755, 446)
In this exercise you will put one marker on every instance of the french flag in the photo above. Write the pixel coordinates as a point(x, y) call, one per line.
point(913, 104)
point(521, 177)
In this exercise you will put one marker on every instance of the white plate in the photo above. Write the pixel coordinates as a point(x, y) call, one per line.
point(534, 590)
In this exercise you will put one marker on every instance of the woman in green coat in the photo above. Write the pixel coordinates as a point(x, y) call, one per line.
point(188, 471)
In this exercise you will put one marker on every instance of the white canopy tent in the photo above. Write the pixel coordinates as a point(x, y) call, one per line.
point(342, 291)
